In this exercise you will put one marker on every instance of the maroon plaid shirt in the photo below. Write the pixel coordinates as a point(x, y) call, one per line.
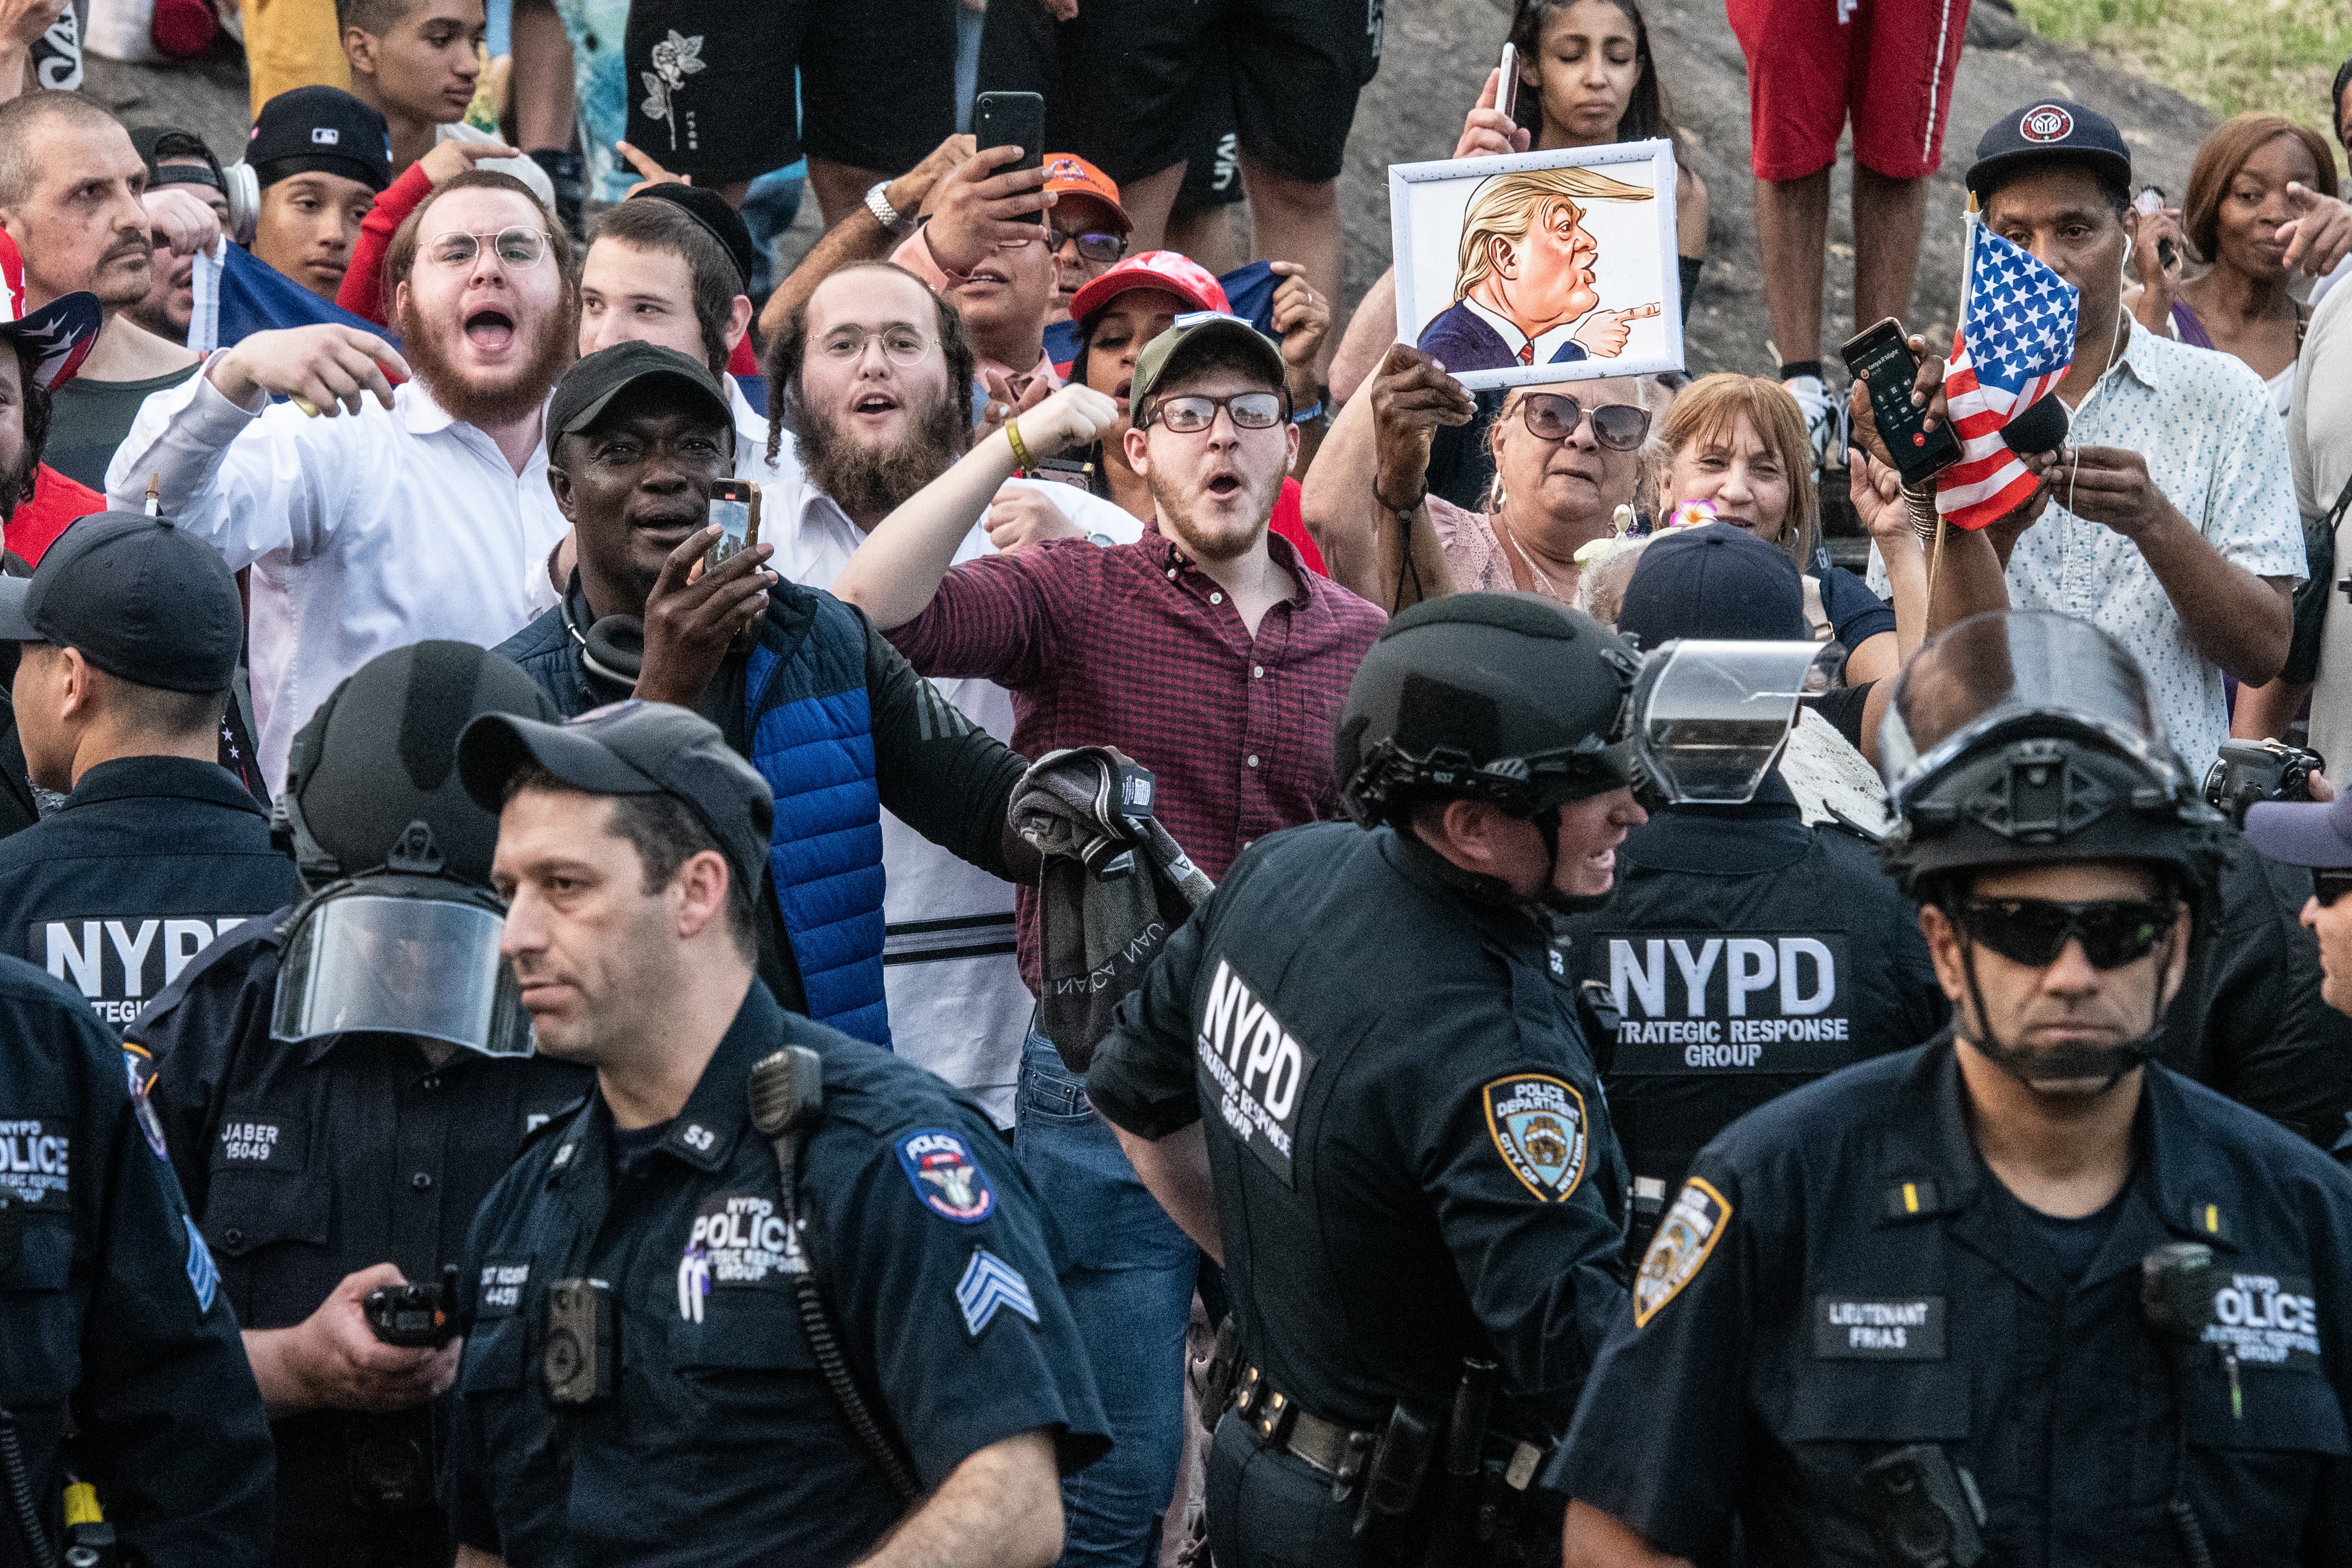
point(1131, 646)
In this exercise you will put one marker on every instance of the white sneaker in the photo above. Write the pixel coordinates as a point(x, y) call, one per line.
point(1825, 420)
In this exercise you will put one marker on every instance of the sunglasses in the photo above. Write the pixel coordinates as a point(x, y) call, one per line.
point(1188, 414)
point(2327, 886)
point(2035, 931)
point(1099, 248)
point(1619, 426)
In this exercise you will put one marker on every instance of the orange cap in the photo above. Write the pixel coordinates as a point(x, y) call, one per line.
point(1067, 175)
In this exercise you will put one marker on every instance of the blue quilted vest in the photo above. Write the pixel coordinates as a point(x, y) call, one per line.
point(812, 737)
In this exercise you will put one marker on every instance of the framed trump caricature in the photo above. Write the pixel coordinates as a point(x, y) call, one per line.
point(1540, 267)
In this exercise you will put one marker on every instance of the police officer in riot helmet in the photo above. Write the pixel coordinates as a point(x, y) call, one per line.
point(1747, 952)
point(343, 1082)
point(130, 631)
point(1357, 1075)
point(2021, 1295)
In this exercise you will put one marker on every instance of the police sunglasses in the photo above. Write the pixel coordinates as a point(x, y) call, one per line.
point(2327, 886)
point(1619, 426)
point(2033, 931)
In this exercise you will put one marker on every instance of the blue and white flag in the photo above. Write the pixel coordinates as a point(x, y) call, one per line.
point(238, 295)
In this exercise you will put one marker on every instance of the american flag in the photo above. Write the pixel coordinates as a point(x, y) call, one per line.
point(2015, 339)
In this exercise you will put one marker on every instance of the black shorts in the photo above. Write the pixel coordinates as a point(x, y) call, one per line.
point(877, 83)
point(1213, 164)
point(1122, 82)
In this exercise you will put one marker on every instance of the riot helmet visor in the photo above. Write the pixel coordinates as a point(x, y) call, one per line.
point(402, 954)
point(1711, 717)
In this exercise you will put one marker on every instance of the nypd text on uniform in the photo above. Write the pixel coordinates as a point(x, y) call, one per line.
point(33, 1160)
point(2264, 1319)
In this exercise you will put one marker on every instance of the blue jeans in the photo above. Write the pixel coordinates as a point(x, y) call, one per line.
point(1130, 1284)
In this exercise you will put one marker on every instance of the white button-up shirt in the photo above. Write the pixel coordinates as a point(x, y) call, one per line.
point(2216, 447)
point(364, 533)
point(751, 443)
point(958, 1004)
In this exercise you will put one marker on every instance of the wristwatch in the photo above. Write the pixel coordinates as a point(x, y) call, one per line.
point(885, 214)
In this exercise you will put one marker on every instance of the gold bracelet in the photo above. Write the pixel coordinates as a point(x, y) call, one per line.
point(1920, 507)
point(1012, 435)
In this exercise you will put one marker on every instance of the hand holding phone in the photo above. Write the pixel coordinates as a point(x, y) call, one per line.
point(1012, 119)
point(1506, 90)
point(1881, 359)
point(735, 507)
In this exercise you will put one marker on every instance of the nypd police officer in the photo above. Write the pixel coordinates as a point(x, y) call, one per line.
point(340, 1085)
point(697, 1337)
point(1357, 1075)
point(2020, 1295)
point(112, 1321)
point(131, 631)
point(1745, 952)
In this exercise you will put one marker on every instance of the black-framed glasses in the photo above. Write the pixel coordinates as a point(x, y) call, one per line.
point(1192, 412)
point(518, 247)
point(2329, 885)
point(2033, 931)
point(1095, 247)
point(1551, 416)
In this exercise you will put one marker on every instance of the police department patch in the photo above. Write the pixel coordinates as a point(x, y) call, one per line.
point(1537, 1124)
point(939, 1165)
point(1684, 1238)
point(737, 1240)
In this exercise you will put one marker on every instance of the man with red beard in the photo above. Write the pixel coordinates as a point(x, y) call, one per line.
point(1208, 654)
point(377, 510)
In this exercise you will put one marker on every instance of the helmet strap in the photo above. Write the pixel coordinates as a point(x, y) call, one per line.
point(2108, 1062)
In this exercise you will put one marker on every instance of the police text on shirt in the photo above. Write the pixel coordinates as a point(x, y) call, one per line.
point(1253, 1069)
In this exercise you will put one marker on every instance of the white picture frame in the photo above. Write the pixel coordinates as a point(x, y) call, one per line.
point(1631, 265)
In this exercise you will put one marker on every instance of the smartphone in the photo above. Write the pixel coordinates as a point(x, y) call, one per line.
point(1506, 90)
point(1012, 119)
point(735, 507)
point(1882, 361)
point(2148, 204)
point(1063, 471)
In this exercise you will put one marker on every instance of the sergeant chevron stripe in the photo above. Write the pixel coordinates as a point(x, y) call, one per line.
point(990, 1282)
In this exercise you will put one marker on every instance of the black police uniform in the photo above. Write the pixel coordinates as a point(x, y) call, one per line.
point(2249, 1021)
point(110, 1302)
point(1842, 1277)
point(1744, 953)
point(148, 861)
point(1412, 1161)
point(720, 1443)
point(306, 1162)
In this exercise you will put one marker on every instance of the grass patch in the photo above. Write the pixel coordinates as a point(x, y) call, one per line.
point(2278, 55)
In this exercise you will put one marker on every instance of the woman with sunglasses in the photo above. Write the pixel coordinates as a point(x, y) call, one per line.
point(1567, 462)
point(2025, 1260)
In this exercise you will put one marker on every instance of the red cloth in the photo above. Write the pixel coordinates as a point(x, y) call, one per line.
point(743, 362)
point(56, 502)
point(1131, 646)
point(361, 293)
point(1291, 524)
point(1890, 64)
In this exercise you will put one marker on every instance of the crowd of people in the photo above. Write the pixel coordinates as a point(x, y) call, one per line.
point(1021, 894)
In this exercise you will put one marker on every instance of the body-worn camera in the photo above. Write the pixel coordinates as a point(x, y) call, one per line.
point(580, 1349)
point(2250, 771)
point(391, 1461)
point(1923, 1508)
point(419, 1316)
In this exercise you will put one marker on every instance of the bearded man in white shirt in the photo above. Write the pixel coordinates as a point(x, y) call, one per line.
point(376, 509)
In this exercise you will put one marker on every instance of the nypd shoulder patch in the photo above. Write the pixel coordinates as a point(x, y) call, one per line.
point(1537, 1124)
point(1685, 1240)
point(204, 1274)
point(990, 1282)
point(939, 1167)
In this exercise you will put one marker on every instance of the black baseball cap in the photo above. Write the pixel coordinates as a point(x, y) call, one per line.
point(320, 129)
point(631, 747)
point(2050, 130)
point(709, 209)
point(156, 143)
point(1715, 581)
point(143, 600)
point(591, 384)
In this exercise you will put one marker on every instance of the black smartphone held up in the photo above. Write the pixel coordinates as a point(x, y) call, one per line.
point(1507, 89)
point(735, 507)
point(1011, 120)
point(2148, 204)
point(1881, 360)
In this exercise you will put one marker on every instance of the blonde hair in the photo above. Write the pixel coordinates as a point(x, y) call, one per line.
point(1600, 586)
point(1505, 206)
point(1708, 409)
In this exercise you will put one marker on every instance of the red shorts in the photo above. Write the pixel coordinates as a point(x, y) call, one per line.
point(1890, 63)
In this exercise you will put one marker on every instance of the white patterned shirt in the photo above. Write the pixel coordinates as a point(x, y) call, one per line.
point(2215, 446)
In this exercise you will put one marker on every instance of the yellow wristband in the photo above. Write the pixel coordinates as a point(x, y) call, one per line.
point(1020, 448)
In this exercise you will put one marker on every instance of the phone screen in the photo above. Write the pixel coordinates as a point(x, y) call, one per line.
point(733, 507)
point(1881, 360)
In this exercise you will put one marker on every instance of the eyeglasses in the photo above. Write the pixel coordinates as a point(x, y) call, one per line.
point(1190, 414)
point(2327, 886)
point(1092, 246)
point(901, 346)
point(1619, 426)
point(517, 246)
point(2035, 931)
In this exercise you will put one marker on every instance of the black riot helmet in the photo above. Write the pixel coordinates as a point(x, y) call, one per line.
point(1502, 697)
point(400, 933)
